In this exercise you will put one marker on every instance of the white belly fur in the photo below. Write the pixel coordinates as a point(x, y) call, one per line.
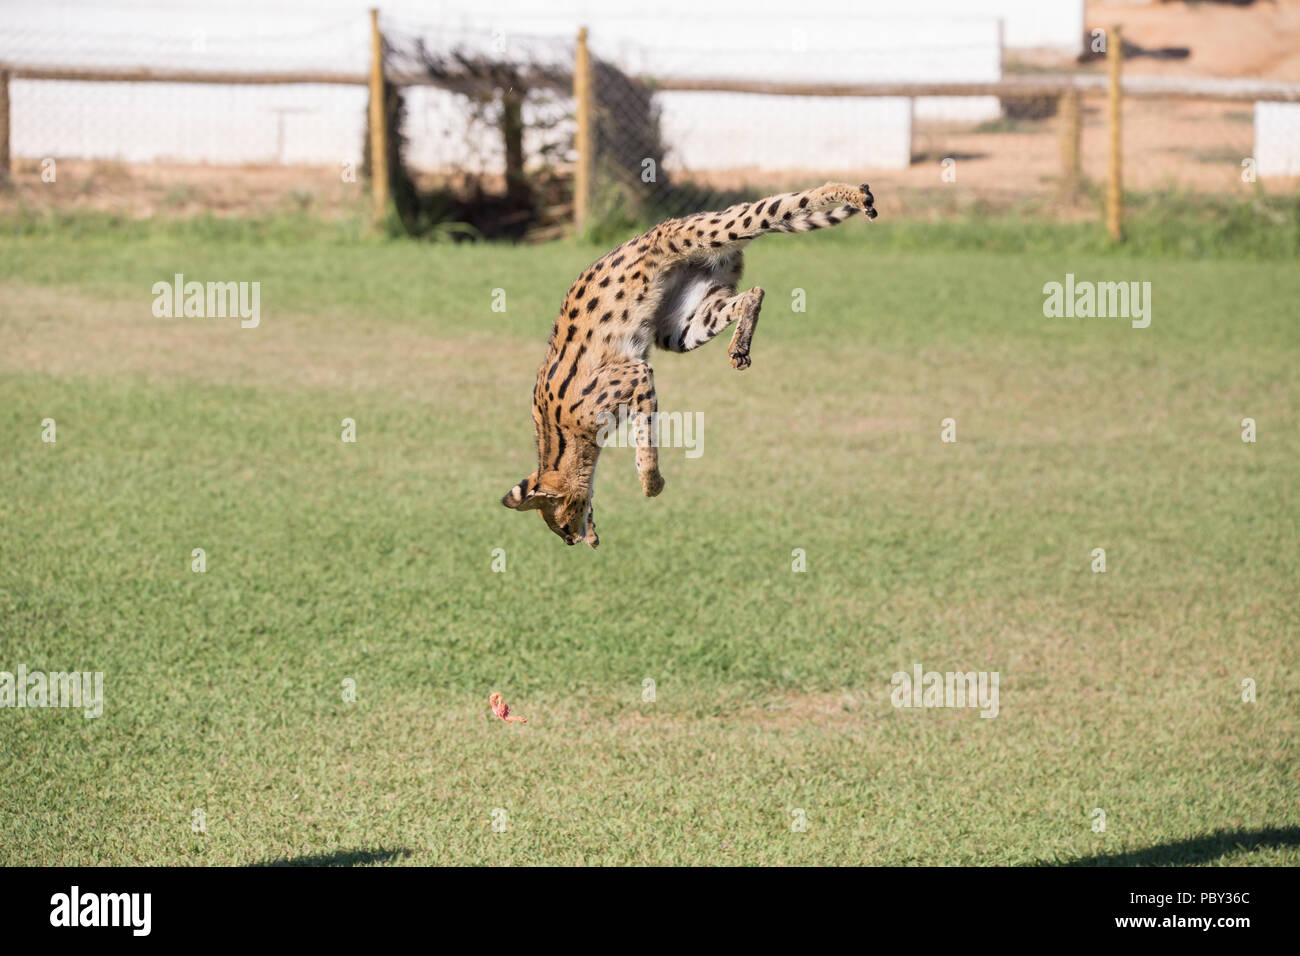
point(681, 301)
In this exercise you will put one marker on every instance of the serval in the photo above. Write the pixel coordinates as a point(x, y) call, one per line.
point(673, 287)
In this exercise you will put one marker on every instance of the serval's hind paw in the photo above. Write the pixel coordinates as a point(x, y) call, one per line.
point(740, 361)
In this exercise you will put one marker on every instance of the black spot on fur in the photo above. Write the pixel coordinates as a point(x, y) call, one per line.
point(564, 386)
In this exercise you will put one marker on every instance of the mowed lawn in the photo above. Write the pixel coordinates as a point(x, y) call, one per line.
point(372, 562)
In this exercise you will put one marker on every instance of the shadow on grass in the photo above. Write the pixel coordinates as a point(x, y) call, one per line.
point(340, 858)
point(1197, 850)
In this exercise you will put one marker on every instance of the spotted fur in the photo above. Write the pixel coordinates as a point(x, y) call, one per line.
point(673, 287)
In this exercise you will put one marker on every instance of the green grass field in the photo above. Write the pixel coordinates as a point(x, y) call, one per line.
point(372, 562)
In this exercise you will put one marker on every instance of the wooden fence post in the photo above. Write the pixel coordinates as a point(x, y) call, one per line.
point(583, 137)
point(378, 122)
point(4, 127)
point(1115, 183)
point(1068, 114)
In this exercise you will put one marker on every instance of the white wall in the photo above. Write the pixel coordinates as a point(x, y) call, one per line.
point(709, 131)
point(1277, 139)
point(1055, 25)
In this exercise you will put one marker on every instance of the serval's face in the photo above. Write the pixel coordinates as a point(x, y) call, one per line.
point(565, 509)
point(570, 519)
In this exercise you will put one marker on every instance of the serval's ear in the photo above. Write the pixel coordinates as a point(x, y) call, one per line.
point(530, 492)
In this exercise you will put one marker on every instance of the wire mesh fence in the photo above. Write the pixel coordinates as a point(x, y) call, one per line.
point(487, 128)
point(243, 121)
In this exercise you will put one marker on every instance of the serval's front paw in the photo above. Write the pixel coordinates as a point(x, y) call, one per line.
point(740, 360)
point(867, 203)
point(652, 483)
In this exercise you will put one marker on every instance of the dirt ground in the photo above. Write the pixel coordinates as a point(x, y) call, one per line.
point(1260, 41)
point(146, 190)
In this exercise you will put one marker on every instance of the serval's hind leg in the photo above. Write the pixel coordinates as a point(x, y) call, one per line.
point(719, 308)
point(630, 385)
point(745, 325)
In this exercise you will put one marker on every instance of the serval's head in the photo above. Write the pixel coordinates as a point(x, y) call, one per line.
point(563, 501)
